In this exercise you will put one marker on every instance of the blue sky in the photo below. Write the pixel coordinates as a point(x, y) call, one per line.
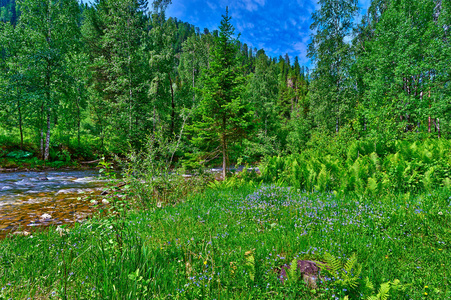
point(277, 26)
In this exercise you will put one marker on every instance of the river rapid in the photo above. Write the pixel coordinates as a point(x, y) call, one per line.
point(34, 200)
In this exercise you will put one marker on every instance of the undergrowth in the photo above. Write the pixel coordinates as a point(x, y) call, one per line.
point(367, 168)
point(231, 242)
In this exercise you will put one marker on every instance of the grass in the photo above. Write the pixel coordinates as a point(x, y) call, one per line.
point(228, 243)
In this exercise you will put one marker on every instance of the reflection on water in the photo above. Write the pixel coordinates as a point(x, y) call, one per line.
point(30, 200)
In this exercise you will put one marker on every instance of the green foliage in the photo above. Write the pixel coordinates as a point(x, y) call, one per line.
point(153, 181)
point(19, 154)
point(348, 273)
point(222, 117)
point(405, 167)
point(292, 271)
point(385, 289)
point(199, 248)
point(250, 265)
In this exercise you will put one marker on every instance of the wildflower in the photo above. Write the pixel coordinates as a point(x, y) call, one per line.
point(426, 286)
point(440, 213)
point(425, 293)
point(205, 262)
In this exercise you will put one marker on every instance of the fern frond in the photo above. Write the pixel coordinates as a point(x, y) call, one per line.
point(351, 263)
point(358, 271)
point(332, 262)
point(352, 282)
point(384, 291)
point(369, 285)
point(250, 264)
point(292, 272)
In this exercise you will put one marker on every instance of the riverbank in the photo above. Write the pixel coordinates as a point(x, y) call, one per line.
point(35, 165)
point(31, 201)
point(233, 243)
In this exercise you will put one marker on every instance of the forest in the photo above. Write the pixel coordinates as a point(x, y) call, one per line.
point(336, 176)
point(89, 80)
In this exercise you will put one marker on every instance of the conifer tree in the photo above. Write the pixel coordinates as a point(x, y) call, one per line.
point(223, 118)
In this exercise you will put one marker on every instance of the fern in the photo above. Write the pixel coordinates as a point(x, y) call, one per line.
point(385, 288)
point(292, 275)
point(350, 279)
point(332, 263)
point(372, 186)
point(384, 291)
point(322, 179)
point(369, 286)
point(250, 266)
point(348, 273)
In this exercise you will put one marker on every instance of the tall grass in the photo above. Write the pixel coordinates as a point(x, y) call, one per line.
point(229, 243)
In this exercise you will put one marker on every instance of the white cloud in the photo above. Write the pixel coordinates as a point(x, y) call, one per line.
point(299, 49)
point(176, 9)
point(300, 3)
point(249, 25)
point(211, 5)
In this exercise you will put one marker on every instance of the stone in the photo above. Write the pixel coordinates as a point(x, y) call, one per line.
point(308, 269)
point(45, 217)
point(24, 233)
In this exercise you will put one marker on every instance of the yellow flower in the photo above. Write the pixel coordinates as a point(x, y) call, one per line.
point(425, 286)
point(386, 256)
point(425, 293)
point(439, 249)
point(205, 262)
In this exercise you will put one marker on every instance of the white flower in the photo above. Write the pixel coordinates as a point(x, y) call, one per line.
point(440, 213)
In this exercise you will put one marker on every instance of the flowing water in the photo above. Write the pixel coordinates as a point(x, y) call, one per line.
point(32, 200)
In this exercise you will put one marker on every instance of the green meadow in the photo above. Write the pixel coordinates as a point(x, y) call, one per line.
point(231, 242)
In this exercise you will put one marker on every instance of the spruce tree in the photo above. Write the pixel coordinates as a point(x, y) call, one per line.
point(223, 117)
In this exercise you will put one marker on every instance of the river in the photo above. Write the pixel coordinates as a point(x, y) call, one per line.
point(33, 200)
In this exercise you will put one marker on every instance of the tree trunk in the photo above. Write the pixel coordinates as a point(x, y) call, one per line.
point(20, 123)
point(47, 138)
point(41, 148)
point(438, 128)
point(224, 158)
point(224, 149)
point(194, 93)
point(429, 121)
point(154, 121)
point(78, 117)
point(173, 108)
point(130, 117)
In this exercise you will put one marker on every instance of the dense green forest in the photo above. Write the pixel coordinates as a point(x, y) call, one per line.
point(114, 77)
point(351, 199)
